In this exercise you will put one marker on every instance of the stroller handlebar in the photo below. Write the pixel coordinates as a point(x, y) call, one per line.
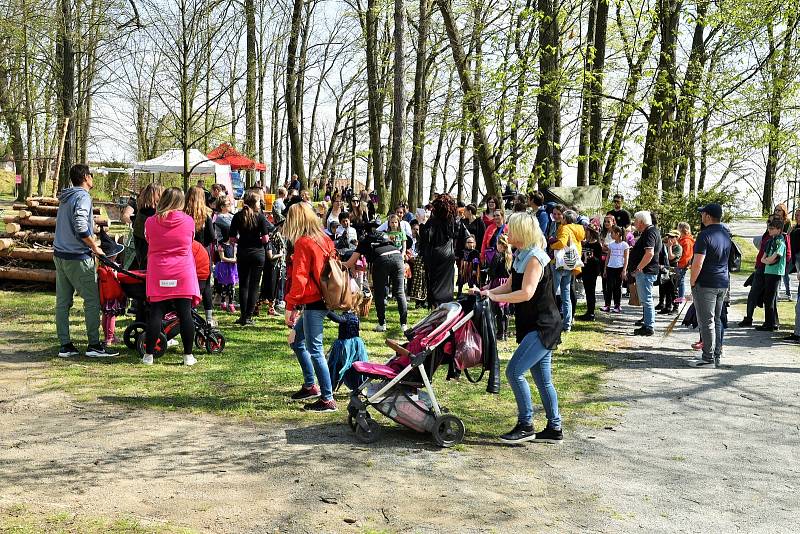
point(108, 263)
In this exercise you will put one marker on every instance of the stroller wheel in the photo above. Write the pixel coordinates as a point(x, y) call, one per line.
point(448, 430)
point(351, 420)
point(132, 332)
point(200, 340)
point(371, 435)
point(215, 343)
point(157, 351)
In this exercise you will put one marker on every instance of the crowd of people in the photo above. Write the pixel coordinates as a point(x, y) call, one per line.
point(532, 259)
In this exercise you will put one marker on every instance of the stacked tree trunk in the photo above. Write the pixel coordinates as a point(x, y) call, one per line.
point(26, 248)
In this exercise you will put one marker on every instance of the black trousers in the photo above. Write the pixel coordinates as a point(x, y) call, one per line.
point(590, 287)
point(140, 247)
point(183, 308)
point(207, 294)
point(757, 296)
point(389, 270)
point(250, 264)
point(613, 290)
point(771, 284)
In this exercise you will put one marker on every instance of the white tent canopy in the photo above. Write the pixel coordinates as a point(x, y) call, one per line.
point(172, 161)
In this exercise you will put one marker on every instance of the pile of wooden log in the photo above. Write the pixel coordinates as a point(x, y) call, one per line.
point(26, 248)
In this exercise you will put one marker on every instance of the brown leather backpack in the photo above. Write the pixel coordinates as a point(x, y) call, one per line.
point(335, 283)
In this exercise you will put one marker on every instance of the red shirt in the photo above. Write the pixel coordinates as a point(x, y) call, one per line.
point(304, 270)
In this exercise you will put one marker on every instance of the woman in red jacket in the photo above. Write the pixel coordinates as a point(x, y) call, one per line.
point(305, 309)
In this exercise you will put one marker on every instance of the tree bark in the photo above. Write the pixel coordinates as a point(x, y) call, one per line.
point(548, 99)
point(374, 102)
point(67, 89)
point(250, 105)
point(420, 105)
point(472, 98)
point(293, 97)
point(396, 162)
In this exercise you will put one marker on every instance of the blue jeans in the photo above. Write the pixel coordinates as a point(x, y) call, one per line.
point(562, 282)
point(644, 287)
point(532, 355)
point(310, 353)
point(681, 277)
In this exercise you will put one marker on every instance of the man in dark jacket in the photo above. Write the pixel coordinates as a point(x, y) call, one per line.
point(75, 267)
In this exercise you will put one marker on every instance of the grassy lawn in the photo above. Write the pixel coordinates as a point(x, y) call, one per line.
point(257, 373)
point(21, 520)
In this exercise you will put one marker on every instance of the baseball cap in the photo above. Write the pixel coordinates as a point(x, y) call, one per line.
point(713, 209)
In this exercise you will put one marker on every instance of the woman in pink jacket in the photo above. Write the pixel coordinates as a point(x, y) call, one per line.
point(171, 273)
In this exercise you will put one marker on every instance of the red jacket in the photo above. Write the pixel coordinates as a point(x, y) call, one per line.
point(304, 269)
point(202, 262)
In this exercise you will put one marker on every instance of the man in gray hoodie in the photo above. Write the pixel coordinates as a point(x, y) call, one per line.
point(75, 267)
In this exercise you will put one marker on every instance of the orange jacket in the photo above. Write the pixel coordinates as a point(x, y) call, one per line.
point(687, 244)
point(202, 262)
point(304, 270)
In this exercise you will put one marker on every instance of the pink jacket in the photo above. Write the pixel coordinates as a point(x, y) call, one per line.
point(171, 272)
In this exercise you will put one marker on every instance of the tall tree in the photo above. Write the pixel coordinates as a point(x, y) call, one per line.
point(293, 94)
point(547, 166)
point(398, 131)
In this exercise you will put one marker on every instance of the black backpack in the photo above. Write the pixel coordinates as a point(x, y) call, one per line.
point(734, 258)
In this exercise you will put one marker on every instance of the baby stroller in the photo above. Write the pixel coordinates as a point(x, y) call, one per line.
point(401, 389)
point(133, 285)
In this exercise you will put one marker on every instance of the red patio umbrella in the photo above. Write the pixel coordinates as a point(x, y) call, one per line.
point(225, 154)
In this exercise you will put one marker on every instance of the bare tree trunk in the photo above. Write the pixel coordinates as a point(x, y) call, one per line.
point(485, 151)
point(293, 95)
point(374, 102)
point(586, 106)
point(250, 95)
point(416, 172)
point(596, 87)
point(67, 89)
point(396, 162)
point(442, 133)
point(547, 101)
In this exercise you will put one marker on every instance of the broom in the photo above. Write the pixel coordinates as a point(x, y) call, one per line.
point(672, 323)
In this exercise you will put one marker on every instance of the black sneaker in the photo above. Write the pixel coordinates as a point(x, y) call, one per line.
point(766, 328)
point(659, 306)
point(549, 435)
point(519, 434)
point(702, 363)
point(794, 338)
point(321, 406)
point(640, 322)
point(643, 331)
point(68, 350)
point(745, 322)
point(307, 393)
point(585, 317)
point(100, 351)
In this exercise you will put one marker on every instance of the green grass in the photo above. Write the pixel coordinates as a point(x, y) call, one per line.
point(255, 375)
point(19, 519)
point(749, 253)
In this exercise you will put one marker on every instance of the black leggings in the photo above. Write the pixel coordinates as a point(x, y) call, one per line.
point(250, 264)
point(589, 288)
point(183, 308)
point(206, 292)
point(386, 270)
point(613, 286)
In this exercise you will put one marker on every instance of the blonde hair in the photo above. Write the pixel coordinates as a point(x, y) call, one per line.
point(684, 227)
point(503, 240)
point(301, 221)
point(525, 229)
point(390, 219)
point(196, 206)
point(172, 199)
point(149, 196)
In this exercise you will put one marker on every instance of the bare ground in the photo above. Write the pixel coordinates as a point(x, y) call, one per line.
point(693, 451)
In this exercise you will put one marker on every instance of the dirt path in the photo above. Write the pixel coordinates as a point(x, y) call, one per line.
point(694, 451)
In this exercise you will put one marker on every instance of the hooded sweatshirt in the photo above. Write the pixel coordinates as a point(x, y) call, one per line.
point(171, 270)
point(74, 221)
point(570, 232)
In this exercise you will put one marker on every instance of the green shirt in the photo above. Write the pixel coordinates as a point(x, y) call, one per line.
point(777, 245)
point(398, 239)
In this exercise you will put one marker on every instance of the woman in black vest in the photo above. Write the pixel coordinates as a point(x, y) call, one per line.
point(530, 289)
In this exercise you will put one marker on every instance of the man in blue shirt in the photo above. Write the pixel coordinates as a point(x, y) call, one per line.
point(710, 280)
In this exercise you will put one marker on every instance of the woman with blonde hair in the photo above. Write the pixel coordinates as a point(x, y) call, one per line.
point(171, 271)
point(305, 309)
point(530, 289)
point(250, 231)
point(146, 204)
point(197, 209)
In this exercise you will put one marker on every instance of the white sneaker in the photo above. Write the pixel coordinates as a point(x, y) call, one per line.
point(188, 359)
point(172, 342)
point(403, 327)
point(380, 328)
point(147, 359)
